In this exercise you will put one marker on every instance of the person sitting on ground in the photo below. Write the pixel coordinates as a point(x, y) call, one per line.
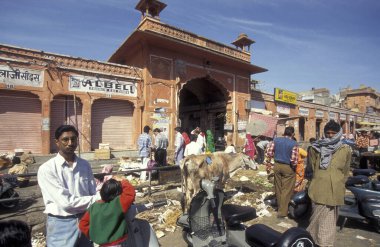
point(104, 222)
point(230, 149)
point(15, 233)
point(192, 148)
point(21, 167)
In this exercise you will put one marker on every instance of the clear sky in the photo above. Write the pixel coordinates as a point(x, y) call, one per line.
point(303, 43)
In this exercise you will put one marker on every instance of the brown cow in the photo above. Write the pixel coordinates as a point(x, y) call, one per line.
point(196, 167)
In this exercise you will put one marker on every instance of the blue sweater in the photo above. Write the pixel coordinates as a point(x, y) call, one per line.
point(283, 149)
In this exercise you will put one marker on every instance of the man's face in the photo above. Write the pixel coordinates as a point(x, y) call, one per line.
point(330, 133)
point(67, 142)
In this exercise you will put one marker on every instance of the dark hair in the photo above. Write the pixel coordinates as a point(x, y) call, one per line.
point(312, 139)
point(157, 130)
point(110, 190)
point(193, 137)
point(332, 125)
point(15, 233)
point(65, 128)
point(16, 160)
point(289, 131)
point(146, 129)
point(179, 129)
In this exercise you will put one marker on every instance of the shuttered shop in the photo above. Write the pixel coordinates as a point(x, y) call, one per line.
point(20, 121)
point(64, 112)
point(112, 123)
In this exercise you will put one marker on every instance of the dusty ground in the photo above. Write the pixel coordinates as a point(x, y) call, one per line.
point(163, 219)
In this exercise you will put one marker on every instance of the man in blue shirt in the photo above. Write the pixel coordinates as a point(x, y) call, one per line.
point(145, 143)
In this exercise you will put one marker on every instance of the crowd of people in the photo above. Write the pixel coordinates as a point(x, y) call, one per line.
point(81, 210)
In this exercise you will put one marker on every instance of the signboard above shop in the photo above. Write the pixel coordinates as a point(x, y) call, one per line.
point(319, 114)
point(283, 109)
point(343, 117)
point(333, 115)
point(21, 77)
point(285, 96)
point(101, 85)
point(303, 111)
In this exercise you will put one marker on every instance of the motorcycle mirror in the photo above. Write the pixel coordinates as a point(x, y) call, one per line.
point(209, 187)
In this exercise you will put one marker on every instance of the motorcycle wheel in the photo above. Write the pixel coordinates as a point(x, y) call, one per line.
point(187, 237)
point(11, 193)
point(376, 224)
point(298, 211)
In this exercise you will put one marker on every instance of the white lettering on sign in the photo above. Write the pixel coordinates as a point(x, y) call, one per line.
point(100, 85)
point(161, 101)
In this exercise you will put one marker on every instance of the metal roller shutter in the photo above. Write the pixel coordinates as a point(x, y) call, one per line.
point(62, 112)
point(20, 121)
point(112, 123)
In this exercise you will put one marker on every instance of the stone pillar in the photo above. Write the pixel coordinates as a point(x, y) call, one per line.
point(86, 122)
point(45, 122)
point(137, 123)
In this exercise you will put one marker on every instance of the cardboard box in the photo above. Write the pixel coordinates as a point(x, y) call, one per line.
point(173, 176)
point(102, 154)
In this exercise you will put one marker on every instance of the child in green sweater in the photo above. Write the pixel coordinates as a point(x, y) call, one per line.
point(104, 221)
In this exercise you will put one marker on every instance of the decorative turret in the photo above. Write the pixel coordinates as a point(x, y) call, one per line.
point(243, 42)
point(150, 8)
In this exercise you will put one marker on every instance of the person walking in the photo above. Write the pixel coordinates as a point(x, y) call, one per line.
point(161, 143)
point(68, 188)
point(329, 160)
point(284, 150)
point(145, 144)
point(249, 146)
point(179, 145)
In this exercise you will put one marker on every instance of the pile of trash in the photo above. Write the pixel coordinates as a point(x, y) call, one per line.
point(38, 240)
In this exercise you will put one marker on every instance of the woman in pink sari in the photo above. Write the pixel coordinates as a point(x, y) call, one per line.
point(249, 147)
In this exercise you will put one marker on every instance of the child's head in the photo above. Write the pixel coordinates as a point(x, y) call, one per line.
point(15, 233)
point(110, 190)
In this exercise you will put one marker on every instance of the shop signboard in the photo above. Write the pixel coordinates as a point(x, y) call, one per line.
point(285, 96)
point(228, 127)
point(242, 124)
point(342, 116)
point(333, 115)
point(303, 111)
point(101, 85)
point(283, 109)
point(319, 114)
point(352, 118)
point(12, 76)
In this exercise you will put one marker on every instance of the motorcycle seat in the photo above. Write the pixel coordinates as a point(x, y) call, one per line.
point(235, 214)
point(376, 185)
point(357, 180)
point(365, 172)
point(261, 235)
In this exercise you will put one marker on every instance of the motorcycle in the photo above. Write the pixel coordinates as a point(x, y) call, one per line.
point(364, 205)
point(210, 222)
point(140, 232)
point(9, 198)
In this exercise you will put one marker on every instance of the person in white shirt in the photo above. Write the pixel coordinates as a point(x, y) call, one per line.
point(179, 145)
point(201, 139)
point(68, 189)
point(192, 147)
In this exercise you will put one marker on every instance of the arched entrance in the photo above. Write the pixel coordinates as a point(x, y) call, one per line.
point(203, 103)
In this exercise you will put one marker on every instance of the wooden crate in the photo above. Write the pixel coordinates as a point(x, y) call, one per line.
point(102, 154)
point(169, 176)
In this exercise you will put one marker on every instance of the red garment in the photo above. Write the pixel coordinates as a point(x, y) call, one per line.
point(249, 147)
point(186, 138)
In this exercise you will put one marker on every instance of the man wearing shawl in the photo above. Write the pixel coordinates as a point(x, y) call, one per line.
point(329, 162)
